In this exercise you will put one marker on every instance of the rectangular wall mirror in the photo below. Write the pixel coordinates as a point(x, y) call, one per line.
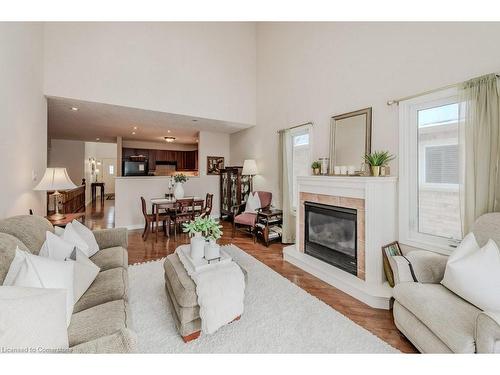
point(350, 138)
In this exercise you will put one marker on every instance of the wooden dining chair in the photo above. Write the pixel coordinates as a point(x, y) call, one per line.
point(150, 220)
point(183, 212)
point(207, 210)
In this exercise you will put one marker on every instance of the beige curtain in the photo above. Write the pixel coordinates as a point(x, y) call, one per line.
point(285, 177)
point(480, 141)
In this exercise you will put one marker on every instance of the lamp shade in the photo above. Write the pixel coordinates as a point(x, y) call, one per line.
point(249, 167)
point(55, 179)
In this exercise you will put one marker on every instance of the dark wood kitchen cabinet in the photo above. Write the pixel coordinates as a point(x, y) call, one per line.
point(186, 160)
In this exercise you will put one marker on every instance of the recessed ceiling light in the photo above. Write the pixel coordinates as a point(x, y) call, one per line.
point(135, 127)
point(133, 133)
point(169, 139)
point(74, 109)
point(196, 141)
point(168, 131)
point(98, 139)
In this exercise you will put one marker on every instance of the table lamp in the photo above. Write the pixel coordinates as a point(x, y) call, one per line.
point(55, 179)
point(249, 169)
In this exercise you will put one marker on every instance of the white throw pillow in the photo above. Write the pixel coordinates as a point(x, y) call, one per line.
point(33, 318)
point(85, 273)
point(253, 203)
point(87, 235)
point(72, 236)
point(55, 247)
point(41, 272)
point(474, 274)
point(58, 231)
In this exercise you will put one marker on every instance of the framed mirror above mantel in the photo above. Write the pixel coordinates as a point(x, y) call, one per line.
point(350, 138)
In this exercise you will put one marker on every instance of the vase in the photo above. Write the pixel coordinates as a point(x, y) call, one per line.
point(316, 171)
point(178, 190)
point(197, 246)
point(375, 170)
point(212, 250)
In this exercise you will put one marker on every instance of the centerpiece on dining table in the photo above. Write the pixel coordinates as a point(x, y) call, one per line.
point(179, 180)
point(204, 232)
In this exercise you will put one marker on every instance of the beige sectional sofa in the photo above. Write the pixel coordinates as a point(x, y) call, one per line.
point(435, 319)
point(101, 321)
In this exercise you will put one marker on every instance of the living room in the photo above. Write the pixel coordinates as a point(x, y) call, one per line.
point(250, 187)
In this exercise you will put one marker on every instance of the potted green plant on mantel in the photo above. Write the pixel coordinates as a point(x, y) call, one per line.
point(179, 179)
point(316, 167)
point(204, 232)
point(377, 160)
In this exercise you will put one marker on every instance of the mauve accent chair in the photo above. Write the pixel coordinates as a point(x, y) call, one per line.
point(245, 221)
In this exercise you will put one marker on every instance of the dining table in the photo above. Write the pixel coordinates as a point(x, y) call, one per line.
point(158, 204)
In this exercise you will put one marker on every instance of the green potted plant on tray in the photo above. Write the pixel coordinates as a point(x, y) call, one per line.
point(378, 159)
point(205, 231)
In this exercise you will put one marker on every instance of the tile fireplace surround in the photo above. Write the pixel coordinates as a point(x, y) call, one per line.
point(375, 199)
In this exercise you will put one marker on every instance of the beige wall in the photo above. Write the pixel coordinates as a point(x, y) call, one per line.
point(312, 71)
point(68, 154)
point(23, 118)
point(197, 69)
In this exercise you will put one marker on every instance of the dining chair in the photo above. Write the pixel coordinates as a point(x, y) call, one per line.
point(150, 220)
point(207, 210)
point(183, 212)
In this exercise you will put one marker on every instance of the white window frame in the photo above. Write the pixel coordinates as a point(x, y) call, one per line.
point(307, 128)
point(408, 172)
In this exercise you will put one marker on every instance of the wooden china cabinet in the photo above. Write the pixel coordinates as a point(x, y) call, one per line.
point(234, 190)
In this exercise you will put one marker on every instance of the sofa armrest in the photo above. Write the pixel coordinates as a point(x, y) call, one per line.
point(428, 266)
point(123, 341)
point(488, 332)
point(111, 237)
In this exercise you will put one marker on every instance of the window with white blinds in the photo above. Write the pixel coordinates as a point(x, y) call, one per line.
point(441, 164)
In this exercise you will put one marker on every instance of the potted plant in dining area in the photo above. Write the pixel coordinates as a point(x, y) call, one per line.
point(179, 179)
point(378, 159)
point(316, 167)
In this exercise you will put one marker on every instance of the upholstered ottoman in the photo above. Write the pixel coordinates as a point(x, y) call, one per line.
point(181, 293)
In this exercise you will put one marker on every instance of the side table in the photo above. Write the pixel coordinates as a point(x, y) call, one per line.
point(268, 225)
point(93, 187)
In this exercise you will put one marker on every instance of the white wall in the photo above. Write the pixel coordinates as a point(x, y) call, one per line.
point(130, 189)
point(312, 71)
point(197, 69)
point(23, 118)
point(70, 155)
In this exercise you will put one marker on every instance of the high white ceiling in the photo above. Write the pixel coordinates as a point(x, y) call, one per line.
point(106, 122)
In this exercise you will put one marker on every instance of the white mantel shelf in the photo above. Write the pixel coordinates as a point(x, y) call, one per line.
point(380, 200)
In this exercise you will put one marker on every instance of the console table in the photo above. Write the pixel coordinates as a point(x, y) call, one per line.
point(93, 187)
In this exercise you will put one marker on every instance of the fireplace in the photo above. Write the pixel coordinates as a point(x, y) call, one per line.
point(330, 235)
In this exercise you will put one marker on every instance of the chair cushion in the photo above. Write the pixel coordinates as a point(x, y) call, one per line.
point(448, 316)
point(111, 257)
point(29, 229)
point(8, 244)
point(98, 321)
point(246, 218)
point(183, 287)
point(110, 285)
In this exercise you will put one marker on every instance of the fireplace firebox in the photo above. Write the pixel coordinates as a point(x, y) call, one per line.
point(331, 235)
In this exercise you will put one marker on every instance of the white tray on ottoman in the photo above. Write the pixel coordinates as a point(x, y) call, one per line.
point(201, 264)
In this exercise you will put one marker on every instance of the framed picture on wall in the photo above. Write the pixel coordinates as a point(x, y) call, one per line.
point(214, 164)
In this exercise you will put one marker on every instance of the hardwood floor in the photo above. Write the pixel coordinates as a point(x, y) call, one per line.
point(379, 322)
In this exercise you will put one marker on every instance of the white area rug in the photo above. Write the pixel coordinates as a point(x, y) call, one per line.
point(279, 317)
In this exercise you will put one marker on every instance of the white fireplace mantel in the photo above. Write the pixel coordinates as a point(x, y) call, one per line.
point(380, 209)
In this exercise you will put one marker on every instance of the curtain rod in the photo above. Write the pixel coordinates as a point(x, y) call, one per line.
point(396, 101)
point(296, 126)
